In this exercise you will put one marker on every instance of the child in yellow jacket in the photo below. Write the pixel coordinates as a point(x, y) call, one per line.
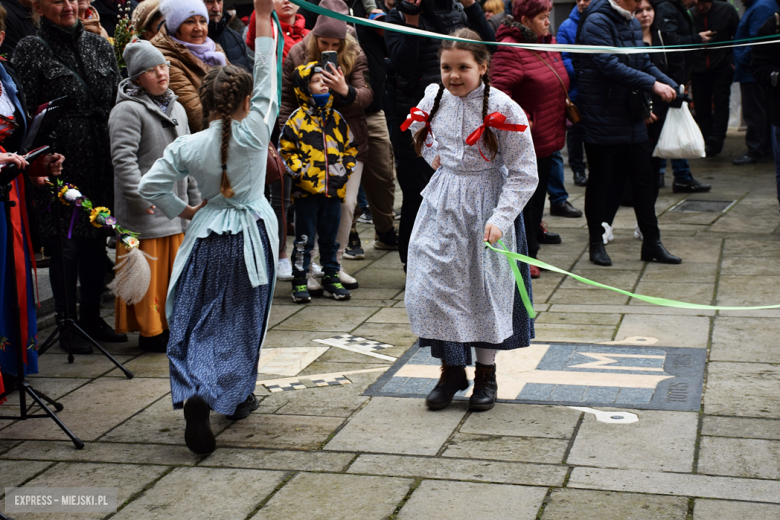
point(320, 153)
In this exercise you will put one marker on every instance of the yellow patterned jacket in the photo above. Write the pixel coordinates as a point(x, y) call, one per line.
point(306, 135)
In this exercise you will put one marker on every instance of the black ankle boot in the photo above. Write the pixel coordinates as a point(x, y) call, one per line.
point(598, 254)
point(485, 387)
point(451, 381)
point(97, 328)
point(654, 250)
point(243, 410)
point(197, 434)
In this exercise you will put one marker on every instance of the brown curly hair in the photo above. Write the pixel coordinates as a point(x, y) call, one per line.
point(482, 57)
point(223, 91)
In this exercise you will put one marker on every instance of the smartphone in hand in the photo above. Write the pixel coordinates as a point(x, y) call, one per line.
point(330, 57)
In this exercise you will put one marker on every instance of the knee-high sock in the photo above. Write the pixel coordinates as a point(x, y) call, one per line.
point(486, 356)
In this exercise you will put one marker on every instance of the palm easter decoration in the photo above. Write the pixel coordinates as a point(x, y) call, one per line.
point(123, 34)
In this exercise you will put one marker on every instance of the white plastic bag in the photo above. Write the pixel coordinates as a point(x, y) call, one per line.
point(680, 137)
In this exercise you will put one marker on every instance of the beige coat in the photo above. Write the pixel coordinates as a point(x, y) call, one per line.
point(92, 24)
point(187, 72)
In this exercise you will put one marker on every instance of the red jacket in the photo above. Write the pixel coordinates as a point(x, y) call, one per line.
point(531, 83)
point(292, 33)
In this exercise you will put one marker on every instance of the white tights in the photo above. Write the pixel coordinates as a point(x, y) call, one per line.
point(486, 356)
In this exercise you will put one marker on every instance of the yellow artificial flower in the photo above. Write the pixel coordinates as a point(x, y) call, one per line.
point(93, 216)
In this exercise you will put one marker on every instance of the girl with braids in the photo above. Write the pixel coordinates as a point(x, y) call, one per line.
point(459, 295)
point(223, 277)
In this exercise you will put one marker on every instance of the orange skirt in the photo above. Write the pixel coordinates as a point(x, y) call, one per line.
point(148, 315)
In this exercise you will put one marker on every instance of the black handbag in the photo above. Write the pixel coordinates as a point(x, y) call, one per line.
point(640, 105)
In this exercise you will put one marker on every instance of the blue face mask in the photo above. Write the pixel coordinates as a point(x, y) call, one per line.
point(321, 99)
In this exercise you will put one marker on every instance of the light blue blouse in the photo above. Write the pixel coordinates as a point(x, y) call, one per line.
point(198, 155)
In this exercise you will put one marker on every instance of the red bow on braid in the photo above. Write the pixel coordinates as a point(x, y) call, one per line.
point(418, 116)
point(494, 120)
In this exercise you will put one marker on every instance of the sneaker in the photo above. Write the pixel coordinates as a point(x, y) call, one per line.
point(315, 289)
point(365, 217)
point(316, 270)
point(284, 270)
point(300, 291)
point(354, 251)
point(347, 281)
point(690, 186)
point(396, 216)
point(387, 241)
point(638, 233)
point(608, 236)
point(334, 288)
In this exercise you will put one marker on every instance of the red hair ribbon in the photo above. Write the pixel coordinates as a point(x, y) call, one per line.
point(495, 120)
point(418, 116)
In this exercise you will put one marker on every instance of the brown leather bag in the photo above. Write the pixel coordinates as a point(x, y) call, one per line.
point(275, 167)
point(572, 112)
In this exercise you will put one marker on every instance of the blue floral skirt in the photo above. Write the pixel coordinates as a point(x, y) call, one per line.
point(459, 354)
point(218, 323)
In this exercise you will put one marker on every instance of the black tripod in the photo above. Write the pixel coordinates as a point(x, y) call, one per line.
point(20, 384)
point(68, 324)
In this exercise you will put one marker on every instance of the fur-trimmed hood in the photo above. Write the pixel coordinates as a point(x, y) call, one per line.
point(514, 30)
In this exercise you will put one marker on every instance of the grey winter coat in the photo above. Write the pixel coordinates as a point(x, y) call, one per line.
point(140, 131)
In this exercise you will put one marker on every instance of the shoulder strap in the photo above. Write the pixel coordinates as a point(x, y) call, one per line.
point(566, 93)
point(64, 64)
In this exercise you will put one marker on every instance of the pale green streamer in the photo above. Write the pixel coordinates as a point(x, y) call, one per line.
point(663, 302)
point(554, 47)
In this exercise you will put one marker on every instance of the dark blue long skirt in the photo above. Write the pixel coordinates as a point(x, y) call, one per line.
point(218, 322)
point(459, 354)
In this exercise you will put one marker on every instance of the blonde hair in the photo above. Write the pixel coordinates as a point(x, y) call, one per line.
point(222, 91)
point(494, 6)
point(347, 53)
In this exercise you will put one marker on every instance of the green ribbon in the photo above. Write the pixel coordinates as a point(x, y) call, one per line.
point(553, 47)
point(663, 302)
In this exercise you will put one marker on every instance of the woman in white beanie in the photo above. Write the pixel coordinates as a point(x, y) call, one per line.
point(185, 43)
point(145, 120)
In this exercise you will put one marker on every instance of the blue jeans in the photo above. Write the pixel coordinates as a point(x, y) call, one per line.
point(680, 169)
point(574, 145)
point(555, 189)
point(321, 215)
point(361, 198)
point(776, 150)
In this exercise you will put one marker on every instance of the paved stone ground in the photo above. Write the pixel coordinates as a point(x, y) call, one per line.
point(330, 452)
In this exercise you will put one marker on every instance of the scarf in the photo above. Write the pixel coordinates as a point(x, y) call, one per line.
point(162, 101)
point(628, 15)
point(205, 52)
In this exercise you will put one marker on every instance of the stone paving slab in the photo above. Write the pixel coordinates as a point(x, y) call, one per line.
point(287, 460)
point(205, 493)
point(15, 473)
point(678, 484)
point(520, 449)
point(392, 425)
point(310, 496)
point(750, 458)
point(659, 441)
point(740, 427)
point(525, 421)
point(574, 504)
point(727, 510)
point(741, 389)
point(55, 364)
point(468, 500)
point(54, 387)
point(460, 469)
point(629, 309)
point(104, 452)
point(333, 401)
point(745, 339)
point(671, 331)
point(279, 431)
point(331, 319)
point(92, 410)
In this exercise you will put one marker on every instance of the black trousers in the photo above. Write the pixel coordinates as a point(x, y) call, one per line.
point(755, 112)
point(610, 167)
point(711, 96)
point(413, 174)
point(533, 211)
point(85, 261)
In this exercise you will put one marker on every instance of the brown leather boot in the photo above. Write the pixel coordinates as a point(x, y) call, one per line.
point(451, 381)
point(485, 387)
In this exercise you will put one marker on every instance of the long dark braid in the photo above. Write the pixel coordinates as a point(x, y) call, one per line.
point(488, 137)
point(222, 91)
point(422, 133)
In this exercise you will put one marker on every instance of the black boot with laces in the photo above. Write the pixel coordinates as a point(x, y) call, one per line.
point(452, 380)
point(483, 397)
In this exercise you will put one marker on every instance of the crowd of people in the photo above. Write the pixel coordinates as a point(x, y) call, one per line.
point(182, 139)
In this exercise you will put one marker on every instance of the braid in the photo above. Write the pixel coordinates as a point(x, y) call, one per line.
point(489, 138)
point(222, 92)
point(422, 133)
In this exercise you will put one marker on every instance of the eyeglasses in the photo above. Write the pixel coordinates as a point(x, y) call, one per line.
point(159, 69)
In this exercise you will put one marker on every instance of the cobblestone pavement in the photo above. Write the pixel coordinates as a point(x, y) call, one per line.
point(327, 451)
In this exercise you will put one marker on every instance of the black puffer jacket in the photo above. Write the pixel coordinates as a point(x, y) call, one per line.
point(231, 42)
point(723, 20)
point(672, 17)
point(607, 80)
point(375, 50)
point(415, 59)
point(83, 131)
point(766, 60)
